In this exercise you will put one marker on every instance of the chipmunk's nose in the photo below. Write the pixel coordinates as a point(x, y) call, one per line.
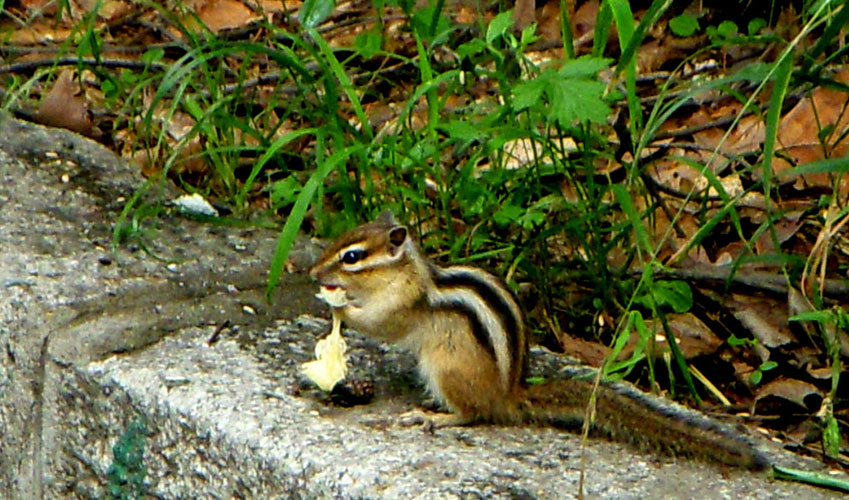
point(315, 270)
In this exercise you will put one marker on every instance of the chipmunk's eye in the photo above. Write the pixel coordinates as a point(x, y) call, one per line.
point(353, 256)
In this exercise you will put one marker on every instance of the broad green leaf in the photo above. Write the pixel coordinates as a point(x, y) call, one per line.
point(499, 25)
point(831, 437)
point(471, 48)
point(508, 214)
point(529, 93)
point(573, 92)
point(368, 43)
point(675, 294)
point(578, 100)
point(314, 12)
point(284, 191)
point(462, 130)
point(153, 55)
point(727, 29)
point(684, 25)
point(584, 67)
point(755, 25)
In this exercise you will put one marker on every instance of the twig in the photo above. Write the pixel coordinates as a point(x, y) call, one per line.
point(76, 61)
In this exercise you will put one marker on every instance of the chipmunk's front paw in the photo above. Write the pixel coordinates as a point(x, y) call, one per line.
point(412, 418)
point(431, 421)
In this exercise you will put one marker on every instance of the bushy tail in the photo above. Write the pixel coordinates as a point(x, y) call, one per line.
point(624, 413)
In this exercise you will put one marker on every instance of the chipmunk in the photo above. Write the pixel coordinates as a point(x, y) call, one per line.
point(467, 331)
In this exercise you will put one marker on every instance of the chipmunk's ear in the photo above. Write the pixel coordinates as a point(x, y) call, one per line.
point(397, 236)
point(387, 219)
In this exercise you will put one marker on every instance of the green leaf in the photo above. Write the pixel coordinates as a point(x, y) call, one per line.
point(578, 100)
point(368, 43)
point(508, 214)
point(727, 29)
point(284, 192)
point(462, 130)
point(734, 341)
point(584, 67)
point(529, 93)
point(573, 93)
point(532, 218)
point(471, 48)
point(153, 55)
point(627, 204)
point(819, 316)
point(109, 88)
point(498, 26)
point(193, 108)
point(684, 25)
point(831, 437)
point(755, 25)
point(675, 294)
point(314, 12)
point(529, 35)
point(423, 23)
point(768, 365)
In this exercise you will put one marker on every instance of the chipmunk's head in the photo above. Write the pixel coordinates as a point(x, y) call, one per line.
point(371, 264)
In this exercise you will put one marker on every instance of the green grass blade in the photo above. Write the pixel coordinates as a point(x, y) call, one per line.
point(640, 232)
point(831, 31)
point(296, 216)
point(566, 31)
point(624, 19)
point(269, 153)
point(808, 477)
point(658, 7)
point(344, 81)
point(602, 29)
point(783, 71)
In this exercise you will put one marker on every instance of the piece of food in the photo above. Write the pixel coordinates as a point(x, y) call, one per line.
point(329, 366)
point(333, 295)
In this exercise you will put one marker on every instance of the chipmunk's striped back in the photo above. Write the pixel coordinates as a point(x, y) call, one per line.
point(492, 312)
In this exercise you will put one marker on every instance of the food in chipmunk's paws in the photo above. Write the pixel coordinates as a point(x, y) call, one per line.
point(334, 296)
point(329, 366)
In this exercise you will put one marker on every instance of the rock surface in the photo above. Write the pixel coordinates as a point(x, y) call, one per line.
point(95, 344)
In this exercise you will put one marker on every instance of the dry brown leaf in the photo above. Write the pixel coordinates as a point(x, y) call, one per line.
point(220, 15)
point(785, 228)
point(548, 23)
point(822, 373)
point(693, 336)
point(746, 137)
point(583, 22)
point(764, 318)
point(524, 13)
point(591, 353)
point(63, 106)
point(39, 33)
point(799, 130)
point(801, 394)
point(34, 6)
